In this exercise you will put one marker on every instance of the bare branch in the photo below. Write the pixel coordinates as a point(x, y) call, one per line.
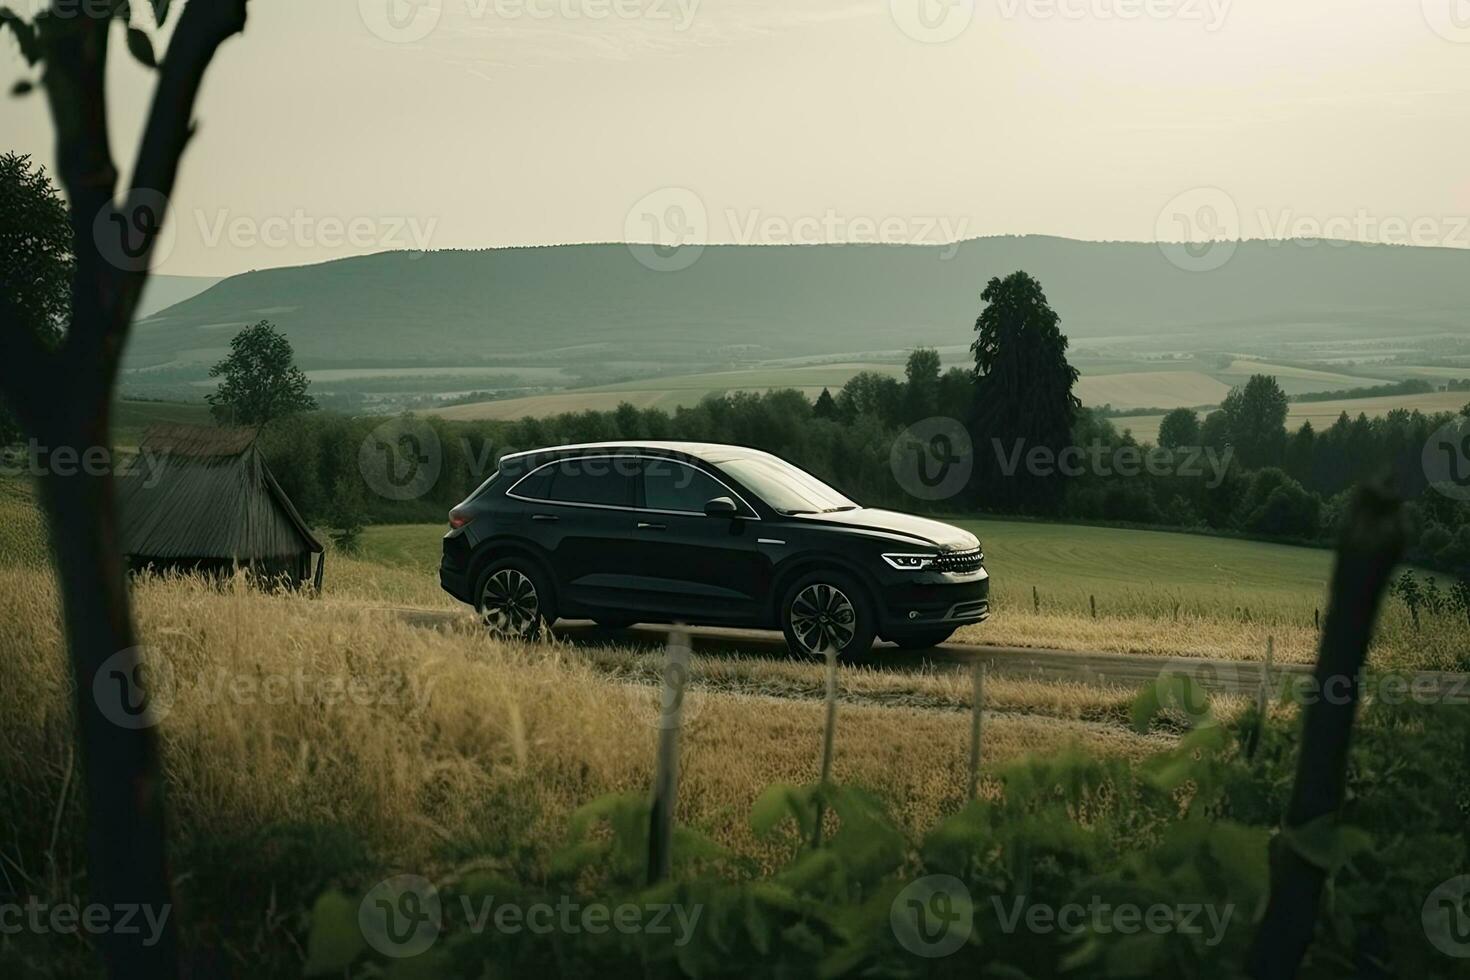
point(203, 26)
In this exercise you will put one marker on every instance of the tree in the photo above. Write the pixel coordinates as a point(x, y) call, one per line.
point(261, 380)
point(1179, 428)
point(63, 398)
point(826, 406)
point(35, 258)
point(1023, 393)
point(921, 393)
point(1255, 417)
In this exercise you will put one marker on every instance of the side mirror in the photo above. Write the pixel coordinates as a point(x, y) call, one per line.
point(719, 507)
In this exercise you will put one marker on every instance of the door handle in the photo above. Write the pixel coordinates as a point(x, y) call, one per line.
point(646, 526)
point(543, 517)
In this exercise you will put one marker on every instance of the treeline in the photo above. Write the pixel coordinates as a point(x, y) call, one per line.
point(1410, 386)
point(1235, 471)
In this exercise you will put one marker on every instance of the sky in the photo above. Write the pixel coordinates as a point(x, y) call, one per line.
point(341, 127)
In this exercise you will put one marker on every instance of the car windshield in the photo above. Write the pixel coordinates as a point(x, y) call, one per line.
point(786, 488)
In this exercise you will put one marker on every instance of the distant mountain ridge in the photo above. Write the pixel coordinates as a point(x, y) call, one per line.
point(590, 303)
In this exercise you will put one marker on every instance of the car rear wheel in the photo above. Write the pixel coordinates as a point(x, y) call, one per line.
point(922, 641)
point(827, 610)
point(513, 599)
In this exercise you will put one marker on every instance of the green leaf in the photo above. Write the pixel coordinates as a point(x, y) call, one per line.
point(778, 802)
point(1327, 843)
point(335, 937)
point(141, 47)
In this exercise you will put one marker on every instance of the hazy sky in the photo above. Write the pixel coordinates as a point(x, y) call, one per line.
point(336, 127)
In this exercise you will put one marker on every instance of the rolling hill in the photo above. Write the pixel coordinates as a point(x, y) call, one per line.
point(594, 309)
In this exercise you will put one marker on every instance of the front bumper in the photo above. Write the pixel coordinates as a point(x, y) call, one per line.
point(929, 600)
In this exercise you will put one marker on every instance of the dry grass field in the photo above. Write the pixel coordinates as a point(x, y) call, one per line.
point(420, 742)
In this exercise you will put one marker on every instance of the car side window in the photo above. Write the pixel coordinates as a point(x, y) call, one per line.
point(669, 485)
point(536, 486)
point(596, 480)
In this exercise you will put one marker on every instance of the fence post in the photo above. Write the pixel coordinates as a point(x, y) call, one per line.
point(666, 775)
point(1261, 693)
point(1035, 601)
point(977, 703)
point(1092, 601)
point(827, 742)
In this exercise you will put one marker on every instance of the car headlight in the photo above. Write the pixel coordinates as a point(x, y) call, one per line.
point(910, 563)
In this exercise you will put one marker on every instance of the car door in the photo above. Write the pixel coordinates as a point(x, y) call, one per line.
point(585, 520)
point(708, 569)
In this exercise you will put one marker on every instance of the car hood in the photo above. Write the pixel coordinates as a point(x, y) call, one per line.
point(920, 530)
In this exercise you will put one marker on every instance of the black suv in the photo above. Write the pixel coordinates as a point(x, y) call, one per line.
point(706, 535)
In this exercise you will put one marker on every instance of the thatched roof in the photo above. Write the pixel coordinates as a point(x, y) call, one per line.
point(194, 492)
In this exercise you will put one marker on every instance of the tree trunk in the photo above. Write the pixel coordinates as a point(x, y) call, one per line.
point(119, 750)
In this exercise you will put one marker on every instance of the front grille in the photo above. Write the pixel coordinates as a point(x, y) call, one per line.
point(960, 562)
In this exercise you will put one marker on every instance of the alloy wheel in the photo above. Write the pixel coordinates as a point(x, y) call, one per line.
point(510, 606)
point(823, 618)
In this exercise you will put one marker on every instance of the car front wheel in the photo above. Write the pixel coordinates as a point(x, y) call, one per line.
point(513, 600)
point(827, 611)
